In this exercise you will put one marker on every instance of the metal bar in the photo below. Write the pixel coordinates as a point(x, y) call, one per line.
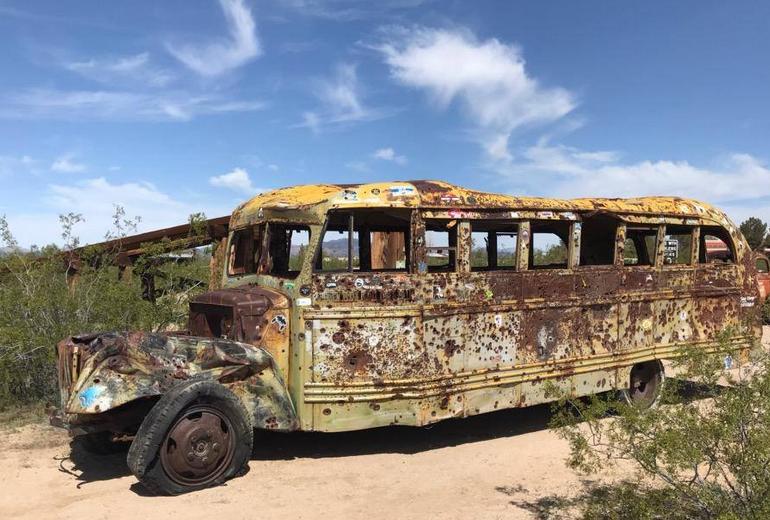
point(350, 243)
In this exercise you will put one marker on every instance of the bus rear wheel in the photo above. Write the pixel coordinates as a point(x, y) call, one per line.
point(645, 385)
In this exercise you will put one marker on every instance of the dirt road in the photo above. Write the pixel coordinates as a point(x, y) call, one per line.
point(472, 468)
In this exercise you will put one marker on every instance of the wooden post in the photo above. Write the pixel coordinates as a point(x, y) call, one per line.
point(388, 249)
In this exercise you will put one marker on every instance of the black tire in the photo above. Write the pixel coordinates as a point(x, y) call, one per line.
point(157, 451)
point(100, 443)
point(645, 385)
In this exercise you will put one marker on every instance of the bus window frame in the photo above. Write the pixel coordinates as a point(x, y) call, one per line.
point(656, 254)
point(572, 245)
point(694, 243)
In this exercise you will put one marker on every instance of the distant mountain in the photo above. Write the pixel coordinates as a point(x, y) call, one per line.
point(337, 247)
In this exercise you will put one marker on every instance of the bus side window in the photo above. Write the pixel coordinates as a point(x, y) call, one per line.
point(715, 246)
point(548, 244)
point(333, 254)
point(379, 241)
point(678, 245)
point(441, 245)
point(597, 240)
point(493, 245)
point(762, 265)
point(641, 244)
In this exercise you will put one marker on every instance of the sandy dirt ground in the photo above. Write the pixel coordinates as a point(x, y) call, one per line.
point(493, 466)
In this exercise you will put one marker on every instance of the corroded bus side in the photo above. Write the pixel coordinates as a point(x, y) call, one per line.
point(371, 348)
point(414, 348)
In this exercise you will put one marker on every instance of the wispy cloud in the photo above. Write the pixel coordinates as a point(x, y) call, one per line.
point(67, 164)
point(488, 78)
point(218, 57)
point(238, 180)
point(389, 154)
point(737, 181)
point(349, 10)
point(135, 68)
point(341, 98)
point(14, 165)
point(95, 199)
point(118, 105)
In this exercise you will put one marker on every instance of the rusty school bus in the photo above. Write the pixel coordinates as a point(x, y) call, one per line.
point(345, 307)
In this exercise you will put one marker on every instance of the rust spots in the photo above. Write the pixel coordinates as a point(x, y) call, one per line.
point(451, 347)
point(357, 360)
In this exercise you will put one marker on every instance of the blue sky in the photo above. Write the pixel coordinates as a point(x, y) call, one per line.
point(173, 107)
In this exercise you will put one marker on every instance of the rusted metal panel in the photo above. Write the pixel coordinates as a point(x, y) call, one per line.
point(548, 285)
point(636, 322)
point(674, 321)
point(109, 370)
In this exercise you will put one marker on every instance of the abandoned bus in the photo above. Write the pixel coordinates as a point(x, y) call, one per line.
point(343, 307)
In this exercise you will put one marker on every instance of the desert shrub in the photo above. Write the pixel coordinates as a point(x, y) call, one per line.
point(704, 453)
point(40, 303)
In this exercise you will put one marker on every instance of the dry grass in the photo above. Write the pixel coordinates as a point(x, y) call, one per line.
point(13, 418)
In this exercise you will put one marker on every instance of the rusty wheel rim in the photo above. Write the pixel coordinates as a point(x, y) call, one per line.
point(645, 384)
point(199, 446)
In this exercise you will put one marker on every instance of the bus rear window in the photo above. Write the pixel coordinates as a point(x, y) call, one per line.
point(715, 246)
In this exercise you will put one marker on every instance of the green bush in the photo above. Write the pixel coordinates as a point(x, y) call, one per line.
point(704, 453)
point(40, 304)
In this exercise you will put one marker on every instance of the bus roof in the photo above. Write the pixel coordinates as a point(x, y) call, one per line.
point(317, 199)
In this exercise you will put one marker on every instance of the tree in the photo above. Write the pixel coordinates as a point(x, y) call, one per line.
point(755, 231)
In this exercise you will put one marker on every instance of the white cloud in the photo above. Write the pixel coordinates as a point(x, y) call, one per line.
point(135, 69)
point(118, 105)
point(95, 199)
point(67, 164)
point(738, 183)
point(349, 10)
point(341, 99)
point(488, 78)
point(389, 154)
point(14, 165)
point(223, 55)
point(237, 180)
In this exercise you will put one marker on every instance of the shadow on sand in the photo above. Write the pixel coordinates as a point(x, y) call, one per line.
point(401, 439)
point(88, 467)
